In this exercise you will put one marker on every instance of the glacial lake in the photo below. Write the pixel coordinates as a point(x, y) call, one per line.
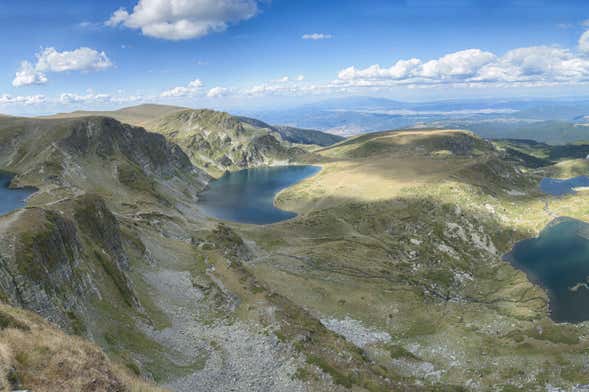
point(558, 260)
point(247, 196)
point(557, 187)
point(11, 199)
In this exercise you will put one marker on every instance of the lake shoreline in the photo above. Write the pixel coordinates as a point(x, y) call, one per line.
point(248, 196)
point(14, 202)
point(556, 305)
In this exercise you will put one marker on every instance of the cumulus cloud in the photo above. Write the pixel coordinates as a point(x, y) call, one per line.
point(51, 60)
point(217, 92)
point(28, 75)
point(192, 88)
point(538, 65)
point(316, 36)
point(81, 59)
point(183, 19)
point(281, 86)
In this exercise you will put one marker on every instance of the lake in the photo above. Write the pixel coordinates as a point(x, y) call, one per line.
point(11, 199)
point(557, 187)
point(247, 196)
point(558, 260)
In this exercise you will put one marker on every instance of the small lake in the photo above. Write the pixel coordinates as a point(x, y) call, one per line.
point(247, 196)
point(11, 199)
point(557, 187)
point(558, 260)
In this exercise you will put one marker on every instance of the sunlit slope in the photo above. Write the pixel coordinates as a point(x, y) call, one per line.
point(135, 115)
point(379, 166)
point(402, 235)
point(217, 141)
point(34, 355)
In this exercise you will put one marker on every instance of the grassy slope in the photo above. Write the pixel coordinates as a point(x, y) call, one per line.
point(70, 177)
point(34, 355)
point(405, 232)
point(134, 115)
point(217, 141)
point(402, 231)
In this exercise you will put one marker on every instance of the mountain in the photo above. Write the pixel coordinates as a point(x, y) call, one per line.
point(217, 141)
point(91, 153)
point(555, 121)
point(391, 277)
point(72, 255)
point(296, 135)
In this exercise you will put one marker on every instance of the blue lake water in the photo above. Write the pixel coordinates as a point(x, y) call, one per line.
point(247, 196)
point(11, 199)
point(558, 260)
point(557, 187)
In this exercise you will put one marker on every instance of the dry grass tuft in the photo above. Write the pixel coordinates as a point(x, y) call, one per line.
point(37, 356)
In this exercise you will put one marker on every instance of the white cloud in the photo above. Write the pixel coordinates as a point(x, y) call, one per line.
point(300, 78)
point(183, 19)
point(81, 59)
point(217, 92)
point(118, 17)
point(69, 98)
point(316, 36)
point(51, 60)
point(584, 42)
point(289, 87)
point(27, 75)
point(22, 100)
point(192, 88)
point(524, 66)
point(91, 98)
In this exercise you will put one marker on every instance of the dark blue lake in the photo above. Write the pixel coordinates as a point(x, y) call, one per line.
point(247, 196)
point(558, 260)
point(557, 187)
point(11, 199)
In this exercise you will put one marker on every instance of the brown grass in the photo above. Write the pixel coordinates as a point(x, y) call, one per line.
point(36, 356)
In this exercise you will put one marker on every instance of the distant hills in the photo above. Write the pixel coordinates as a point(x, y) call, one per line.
point(550, 121)
point(296, 135)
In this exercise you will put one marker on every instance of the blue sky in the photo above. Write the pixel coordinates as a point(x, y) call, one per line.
point(248, 53)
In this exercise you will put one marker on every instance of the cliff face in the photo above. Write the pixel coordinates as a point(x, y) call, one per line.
point(57, 263)
point(94, 154)
point(68, 258)
point(105, 137)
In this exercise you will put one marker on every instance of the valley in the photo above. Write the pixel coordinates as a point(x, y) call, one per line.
point(390, 276)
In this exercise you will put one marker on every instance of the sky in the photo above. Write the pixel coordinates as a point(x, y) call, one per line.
point(63, 55)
